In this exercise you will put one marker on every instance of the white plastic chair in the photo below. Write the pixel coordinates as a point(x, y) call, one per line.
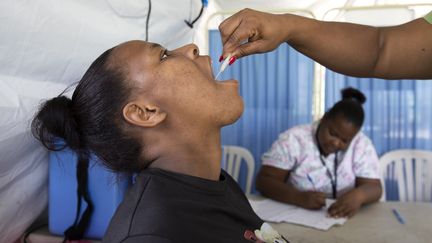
point(233, 156)
point(412, 169)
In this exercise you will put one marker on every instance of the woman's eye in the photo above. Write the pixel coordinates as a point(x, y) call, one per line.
point(164, 55)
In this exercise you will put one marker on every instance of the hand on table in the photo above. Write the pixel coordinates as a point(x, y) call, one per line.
point(346, 206)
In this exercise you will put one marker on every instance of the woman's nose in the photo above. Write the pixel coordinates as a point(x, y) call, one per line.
point(341, 145)
point(337, 144)
point(190, 50)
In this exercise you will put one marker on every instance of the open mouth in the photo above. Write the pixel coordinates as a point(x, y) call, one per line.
point(209, 67)
point(219, 72)
point(217, 77)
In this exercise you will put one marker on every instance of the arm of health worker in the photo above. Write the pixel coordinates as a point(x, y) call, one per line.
point(271, 182)
point(396, 52)
point(365, 191)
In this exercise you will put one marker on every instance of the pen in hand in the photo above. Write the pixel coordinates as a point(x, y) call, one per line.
point(311, 181)
point(398, 216)
point(314, 199)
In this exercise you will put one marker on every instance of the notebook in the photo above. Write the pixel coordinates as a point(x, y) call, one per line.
point(277, 212)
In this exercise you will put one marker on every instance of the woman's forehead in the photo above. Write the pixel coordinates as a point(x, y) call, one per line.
point(133, 55)
point(133, 48)
point(342, 126)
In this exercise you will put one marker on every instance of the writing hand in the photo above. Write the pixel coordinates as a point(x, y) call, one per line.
point(262, 31)
point(346, 206)
point(313, 200)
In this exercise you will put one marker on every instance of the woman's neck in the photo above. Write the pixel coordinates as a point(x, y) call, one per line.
point(200, 157)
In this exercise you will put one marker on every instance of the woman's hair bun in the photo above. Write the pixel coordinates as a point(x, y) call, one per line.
point(351, 93)
point(55, 121)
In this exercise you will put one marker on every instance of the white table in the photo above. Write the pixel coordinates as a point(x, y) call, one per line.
point(374, 223)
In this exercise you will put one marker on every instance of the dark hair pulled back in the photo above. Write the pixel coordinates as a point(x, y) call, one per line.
point(91, 122)
point(350, 107)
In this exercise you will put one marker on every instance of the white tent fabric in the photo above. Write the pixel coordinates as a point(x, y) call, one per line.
point(44, 47)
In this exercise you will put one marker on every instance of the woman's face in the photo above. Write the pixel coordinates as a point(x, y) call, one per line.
point(335, 134)
point(180, 82)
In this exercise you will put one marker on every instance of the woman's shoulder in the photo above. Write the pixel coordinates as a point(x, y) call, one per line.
point(361, 138)
point(299, 132)
point(361, 142)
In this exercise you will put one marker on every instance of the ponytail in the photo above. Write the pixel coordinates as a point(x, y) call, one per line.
point(91, 123)
point(55, 121)
point(354, 94)
point(350, 107)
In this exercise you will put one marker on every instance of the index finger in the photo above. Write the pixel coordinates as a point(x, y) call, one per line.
point(234, 32)
point(228, 26)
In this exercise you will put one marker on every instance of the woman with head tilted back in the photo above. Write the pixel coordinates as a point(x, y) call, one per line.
point(330, 158)
point(143, 109)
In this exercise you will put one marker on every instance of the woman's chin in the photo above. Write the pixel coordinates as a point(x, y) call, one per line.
point(232, 117)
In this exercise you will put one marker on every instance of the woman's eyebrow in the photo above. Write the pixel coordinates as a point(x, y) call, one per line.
point(155, 45)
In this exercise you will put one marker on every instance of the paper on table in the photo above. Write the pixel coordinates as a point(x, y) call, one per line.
point(277, 212)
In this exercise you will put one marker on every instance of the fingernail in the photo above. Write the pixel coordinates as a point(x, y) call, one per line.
point(221, 58)
point(232, 60)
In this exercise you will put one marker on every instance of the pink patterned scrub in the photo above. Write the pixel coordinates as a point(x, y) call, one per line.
point(296, 150)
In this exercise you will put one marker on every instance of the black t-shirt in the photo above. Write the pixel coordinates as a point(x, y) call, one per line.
point(167, 207)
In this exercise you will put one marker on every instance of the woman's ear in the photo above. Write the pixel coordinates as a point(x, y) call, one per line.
point(144, 115)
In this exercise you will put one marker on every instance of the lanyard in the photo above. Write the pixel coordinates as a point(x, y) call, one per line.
point(333, 180)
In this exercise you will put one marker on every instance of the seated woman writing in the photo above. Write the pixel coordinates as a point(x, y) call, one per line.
point(331, 158)
point(143, 109)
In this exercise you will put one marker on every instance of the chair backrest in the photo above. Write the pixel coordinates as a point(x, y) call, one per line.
point(411, 170)
point(232, 158)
